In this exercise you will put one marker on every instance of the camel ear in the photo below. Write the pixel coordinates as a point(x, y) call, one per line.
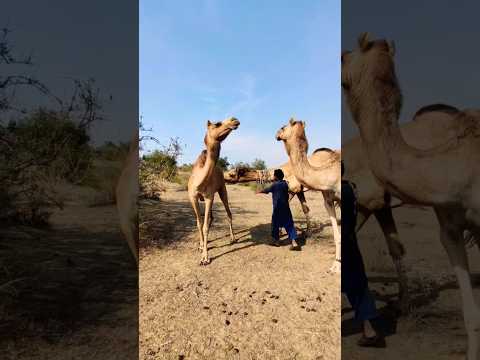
point(391, 48)
point(292, 121)
point(363, 41)
point(208, 123)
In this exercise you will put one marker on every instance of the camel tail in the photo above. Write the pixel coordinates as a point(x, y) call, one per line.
point(436, 107)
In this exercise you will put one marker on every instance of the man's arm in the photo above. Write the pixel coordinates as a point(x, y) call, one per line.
point(267, 190)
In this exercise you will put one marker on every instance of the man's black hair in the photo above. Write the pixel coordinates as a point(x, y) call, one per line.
point(278, 173)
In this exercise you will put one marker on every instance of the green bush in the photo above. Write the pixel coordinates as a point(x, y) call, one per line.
point(37, 152)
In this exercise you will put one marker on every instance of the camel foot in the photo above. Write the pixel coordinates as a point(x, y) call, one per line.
point(205, 261)
point(233, 241)
point(335, 268)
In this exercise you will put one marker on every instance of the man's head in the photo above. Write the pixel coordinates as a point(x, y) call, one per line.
point(278, 174)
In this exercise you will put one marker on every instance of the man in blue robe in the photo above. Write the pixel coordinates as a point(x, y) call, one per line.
point(281, 216)
point(354, 278)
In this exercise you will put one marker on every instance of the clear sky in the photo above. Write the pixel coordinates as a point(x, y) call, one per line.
point(434, 63)
point(260, 61)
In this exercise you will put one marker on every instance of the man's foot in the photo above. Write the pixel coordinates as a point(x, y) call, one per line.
point(376, 341)
point(295, 246)
point(275, 243)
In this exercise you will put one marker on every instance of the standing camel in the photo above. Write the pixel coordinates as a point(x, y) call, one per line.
point(207, 179)
point(446, 177)
point(242, 175)
point(126, 197)
point(428, 128)
point(325, 177)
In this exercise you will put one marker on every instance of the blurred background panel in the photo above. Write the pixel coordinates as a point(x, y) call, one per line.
point(435, 62)
point(68, 128)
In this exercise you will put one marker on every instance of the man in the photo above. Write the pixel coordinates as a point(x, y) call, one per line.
point(282, 216)
point(354, 279)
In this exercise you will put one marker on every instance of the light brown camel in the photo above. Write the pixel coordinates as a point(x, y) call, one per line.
point(429, 126)
point(207, 179)
point(126, 197)
point(446, 177)
point(325, 177)
point(243, 175)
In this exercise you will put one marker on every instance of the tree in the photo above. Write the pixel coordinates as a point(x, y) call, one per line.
point(223, 163)
point(39, 147)
point(240, 164)
point(258, 164)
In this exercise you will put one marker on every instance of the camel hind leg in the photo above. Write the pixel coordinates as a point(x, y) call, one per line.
point(330, 206)
point(224, 197)
point(451, 235)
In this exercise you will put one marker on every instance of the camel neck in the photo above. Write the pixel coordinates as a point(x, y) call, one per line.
point(323, 179)
point(400, 167)
point(213, 152)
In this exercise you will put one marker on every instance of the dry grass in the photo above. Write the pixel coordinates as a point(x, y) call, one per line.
point(252, 302)
point(75, 295)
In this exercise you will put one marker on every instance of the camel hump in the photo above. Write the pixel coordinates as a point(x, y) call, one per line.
point(323, 149)
point(436, 107)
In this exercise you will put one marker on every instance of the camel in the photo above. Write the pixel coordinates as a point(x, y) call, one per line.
point(126, 197)
point(207, 179)
point(325, 177)
point(445, 177)
point(428, 128)
point(242, 175)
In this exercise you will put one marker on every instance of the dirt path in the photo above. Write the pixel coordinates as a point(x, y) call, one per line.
point(253, 301)
point(435, 329)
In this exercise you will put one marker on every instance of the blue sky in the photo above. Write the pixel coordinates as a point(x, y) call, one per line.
point(261, 62)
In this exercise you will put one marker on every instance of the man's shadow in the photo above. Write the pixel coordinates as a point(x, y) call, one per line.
point(254, 236)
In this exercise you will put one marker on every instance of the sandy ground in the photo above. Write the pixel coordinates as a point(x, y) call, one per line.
point(74, 294)
point(253, 301)
point(434, 329)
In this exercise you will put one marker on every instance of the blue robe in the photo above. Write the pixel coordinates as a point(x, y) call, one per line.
point(354, 278)
point(281, 216)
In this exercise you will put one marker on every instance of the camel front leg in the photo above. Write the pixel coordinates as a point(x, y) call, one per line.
point(306, 211)
point(385, 219)
point(452, 240)
point(363, 215)
point(224, 197)
point(330, 206)
point(206, 227)
point(196, 209)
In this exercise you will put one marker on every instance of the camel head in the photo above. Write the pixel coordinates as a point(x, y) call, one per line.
point(369, 67)
point(293, 135)
point(239, 175)
point(294, 129)
point(217, 132)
